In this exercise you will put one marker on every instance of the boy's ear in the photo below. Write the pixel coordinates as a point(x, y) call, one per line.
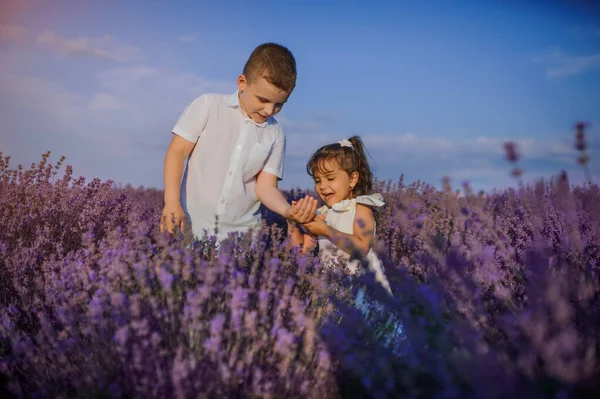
point(241, 82)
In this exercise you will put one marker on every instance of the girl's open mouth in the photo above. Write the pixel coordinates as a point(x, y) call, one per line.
point(328, 197)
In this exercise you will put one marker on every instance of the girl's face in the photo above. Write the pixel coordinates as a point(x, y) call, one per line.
point(333, 184)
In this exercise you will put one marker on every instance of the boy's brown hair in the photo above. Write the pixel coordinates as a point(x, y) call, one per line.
point(275, 63)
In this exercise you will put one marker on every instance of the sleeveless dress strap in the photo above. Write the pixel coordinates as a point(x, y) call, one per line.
point(375, 200)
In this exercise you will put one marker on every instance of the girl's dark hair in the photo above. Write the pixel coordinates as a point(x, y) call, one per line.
point(350, 160)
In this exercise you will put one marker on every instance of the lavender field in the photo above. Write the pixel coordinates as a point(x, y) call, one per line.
point(497, 296)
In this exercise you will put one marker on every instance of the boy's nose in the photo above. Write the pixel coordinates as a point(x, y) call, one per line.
point(269, 109)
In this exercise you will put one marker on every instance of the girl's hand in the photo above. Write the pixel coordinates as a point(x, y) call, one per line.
point(317, 226)
point(303, 211)
point(310, 242)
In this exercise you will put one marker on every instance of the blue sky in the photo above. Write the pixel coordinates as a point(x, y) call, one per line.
point(434, 87)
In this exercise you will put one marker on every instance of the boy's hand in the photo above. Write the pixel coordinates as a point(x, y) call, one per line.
point(317, 226)
point(172, 215)
point(303, 211)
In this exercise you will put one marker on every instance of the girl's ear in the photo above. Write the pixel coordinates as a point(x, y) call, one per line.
point(354, 179)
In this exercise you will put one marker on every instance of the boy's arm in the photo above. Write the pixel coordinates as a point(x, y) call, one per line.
point(269, 194)
point(187, 130)
point(179, 149)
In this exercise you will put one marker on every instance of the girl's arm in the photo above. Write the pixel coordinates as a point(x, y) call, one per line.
point(360, 240)
point(296, 236)
point(299, 239)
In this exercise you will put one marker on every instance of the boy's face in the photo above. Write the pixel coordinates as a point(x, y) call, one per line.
point(260, 99)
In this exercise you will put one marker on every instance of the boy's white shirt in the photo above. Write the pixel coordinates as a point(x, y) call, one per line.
point(220, 175)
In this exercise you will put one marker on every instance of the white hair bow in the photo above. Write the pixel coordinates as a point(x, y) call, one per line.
point(345, 143)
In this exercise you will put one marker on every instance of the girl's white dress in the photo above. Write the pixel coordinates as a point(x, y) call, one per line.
point(341, 217)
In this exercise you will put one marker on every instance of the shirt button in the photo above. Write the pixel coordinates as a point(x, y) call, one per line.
point(239, 147)
point(230, 173)
point(222, 201)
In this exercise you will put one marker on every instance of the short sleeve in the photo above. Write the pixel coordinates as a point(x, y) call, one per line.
point(374, 200)
point(193, 119)
point(275, 160)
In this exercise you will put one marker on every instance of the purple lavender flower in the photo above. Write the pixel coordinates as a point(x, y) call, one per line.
point(580, 142)
point(511, 151)
point(490, 290)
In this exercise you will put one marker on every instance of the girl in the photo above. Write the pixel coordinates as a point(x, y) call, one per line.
point(345, 225)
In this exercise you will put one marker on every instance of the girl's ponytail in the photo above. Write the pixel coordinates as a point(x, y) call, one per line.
point(364, 186)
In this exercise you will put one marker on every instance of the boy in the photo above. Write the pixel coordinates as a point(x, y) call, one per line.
point(236, 152)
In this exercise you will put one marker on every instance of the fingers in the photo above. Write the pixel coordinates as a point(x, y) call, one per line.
point(297, 207)
point(164, 223)
point(307, 210)
point(313, 210)
point(168, 223)
point(300, 210)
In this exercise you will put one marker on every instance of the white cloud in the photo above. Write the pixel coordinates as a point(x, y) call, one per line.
point(407, 142)
point(560, 64)
point(106, 47)
point(123, 78)
point(40, 98)
point(118, 127)
point(104, 101)
point(157, 82)
point(119, 131)
point(187, 38)
point(410, 143)
point(480, 159)
point(575, 65)
point(294, 126)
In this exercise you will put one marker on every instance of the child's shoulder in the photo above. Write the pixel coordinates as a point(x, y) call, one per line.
point(215, 98)
point(372, 201)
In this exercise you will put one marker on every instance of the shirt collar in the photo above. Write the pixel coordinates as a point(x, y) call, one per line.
point(233, 101)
